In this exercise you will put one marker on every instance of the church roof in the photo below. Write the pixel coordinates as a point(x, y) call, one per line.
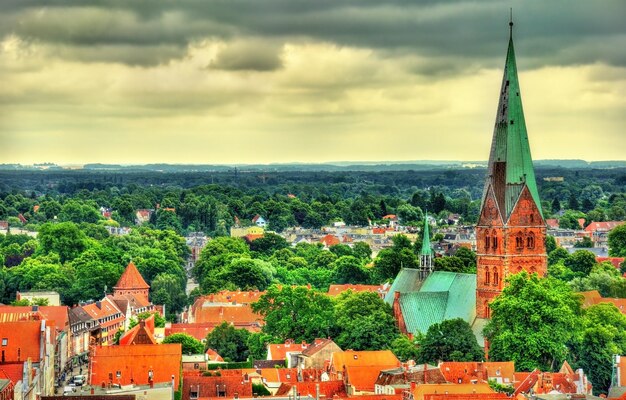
point(407, 280)
point(510, 162)
point(443, 295)
point(131, 279)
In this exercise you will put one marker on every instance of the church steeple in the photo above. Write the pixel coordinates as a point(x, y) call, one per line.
point(510, 162)
point(511, 231)
point(426, 254)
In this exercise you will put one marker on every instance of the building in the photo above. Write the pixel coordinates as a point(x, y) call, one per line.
point(397, 380)
point(317, 354)
point(131, 282)
point(426, 254)
point(360, 369)
point(138, 364)
point(287, 352)
point(511, 228)
point(84, 331)
point(53, 298)
point(224, 385)
point(109, 317)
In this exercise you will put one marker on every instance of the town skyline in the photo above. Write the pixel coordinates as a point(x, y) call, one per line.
point(185, 84)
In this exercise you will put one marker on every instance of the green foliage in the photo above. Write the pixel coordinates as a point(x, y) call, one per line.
point(189, 344)
point(501, 388)
point(364, 321)
point(581, 262)
point(404, 348)
point(296, 313)
point(584, 243)
point(550, 244)
point(617, 241)
point(64, 239)
point(451, 264)
point(159, 321)
point(450, 340)
point(257, 345)
point(167, 290)
point(389, 261)
point(228, 342)
point(348, 269)
point(532, 321)
point(268, 244)
point(259, 389)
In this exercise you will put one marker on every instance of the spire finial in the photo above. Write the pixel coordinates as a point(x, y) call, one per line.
point(511, 23)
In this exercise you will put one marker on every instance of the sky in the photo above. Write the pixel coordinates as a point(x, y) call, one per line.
point(276, 81)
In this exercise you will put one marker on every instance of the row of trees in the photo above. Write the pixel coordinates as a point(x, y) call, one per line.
point(82, 262)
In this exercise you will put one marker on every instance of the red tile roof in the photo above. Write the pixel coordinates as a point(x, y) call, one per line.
point(207, 386)
point(390, 216)
point(23, 340)
point(466, 372)
point(213, 356)
point(238, 315)
point(330, 240)
point(131, 279)
point(14, 372)
point(593, 297)
point(143, 333)
point(552, 223)
point(317, 345)
point(327, 388)
point(616, 261)
point(363, 367)
point(135, 362)
point(279, 351)
point(603, 226)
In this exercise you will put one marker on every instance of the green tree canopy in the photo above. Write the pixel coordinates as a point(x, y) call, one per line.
point(296, 313)
point(532, 321)
point(450, 340)
point(189, 344)
point(229, 342)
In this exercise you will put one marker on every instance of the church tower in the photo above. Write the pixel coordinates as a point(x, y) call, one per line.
point(511, 230)
point(426, 255)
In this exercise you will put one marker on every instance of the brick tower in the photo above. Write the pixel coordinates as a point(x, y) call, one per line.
point(131, 282)
point(511, 231)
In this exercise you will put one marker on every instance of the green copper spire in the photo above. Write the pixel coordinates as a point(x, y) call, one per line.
point(426, 249)
point(510, 163)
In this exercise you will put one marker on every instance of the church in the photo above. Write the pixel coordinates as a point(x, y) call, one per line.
point(510, 233)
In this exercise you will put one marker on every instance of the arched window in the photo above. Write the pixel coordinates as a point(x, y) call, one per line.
point(487, 310)
point(487, 241)
point(495, 277)
point(487, 276)
point(494, 239)
point(519, 241)
point(530, 241)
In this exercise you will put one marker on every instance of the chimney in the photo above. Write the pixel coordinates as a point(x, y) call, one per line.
point(99, 304)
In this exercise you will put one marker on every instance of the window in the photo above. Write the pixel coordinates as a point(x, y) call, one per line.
point(495, 277)
point(487, 276)
point(193, 394)
point(530, 241)
point(5, 341)
point(494, 242)
point(118, 374)
point(487, 310)
point(519, 241)
point(487, 242)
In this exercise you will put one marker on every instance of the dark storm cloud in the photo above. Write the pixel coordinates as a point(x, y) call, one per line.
point(555, 32)
point(249, 56)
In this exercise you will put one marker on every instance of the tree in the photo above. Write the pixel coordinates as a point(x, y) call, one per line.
point(617, 241)
point(64, 239)
point(532, 321)
point(449, 340)
point(167, 290)
point(257, 345)
point(362, 251)
point(348, 269)
point(296, 313)
point(550, 244)
point(190, 345)
point(365, 321)
point(268, 244)
point(556, 205)
point(557, 255)
point(584, 243)
point(248, 274)
point(468, 257)
point(405, 349)
point(228, 342)
point(572, 203)
point(581, 262)
point(603, 336)
point(451, 264)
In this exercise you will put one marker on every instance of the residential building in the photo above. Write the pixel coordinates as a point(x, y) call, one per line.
point(53, 298)
point(511, 229)
point(110, 318)
point(287, 352)
point(360, 369)
point(139, 364)
point(317, 354)
point(398, 380)
point(227, 385)
point(84, 331)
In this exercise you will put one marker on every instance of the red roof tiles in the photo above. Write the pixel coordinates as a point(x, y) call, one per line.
point(23, 340)
point(131, 279)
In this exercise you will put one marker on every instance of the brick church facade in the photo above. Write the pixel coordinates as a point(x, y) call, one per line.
point(511, 229)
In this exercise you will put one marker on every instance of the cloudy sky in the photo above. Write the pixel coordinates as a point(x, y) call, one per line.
point(261, 81)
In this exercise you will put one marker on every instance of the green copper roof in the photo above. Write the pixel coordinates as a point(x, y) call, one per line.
point(510, 143)
point(443, 295)
point(407, 280)
point(426, 249)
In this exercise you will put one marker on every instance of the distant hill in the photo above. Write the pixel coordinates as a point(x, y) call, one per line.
point(413, 165)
